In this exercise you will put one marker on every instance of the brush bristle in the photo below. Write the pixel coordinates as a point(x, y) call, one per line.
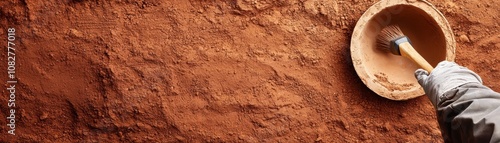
point(388, 34)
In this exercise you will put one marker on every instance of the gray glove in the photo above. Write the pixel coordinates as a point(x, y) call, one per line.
point(446, 76)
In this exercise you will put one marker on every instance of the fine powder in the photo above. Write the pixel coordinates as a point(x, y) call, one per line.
point(392, 86)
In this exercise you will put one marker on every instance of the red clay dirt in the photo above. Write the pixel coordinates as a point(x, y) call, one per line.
point(214, 71)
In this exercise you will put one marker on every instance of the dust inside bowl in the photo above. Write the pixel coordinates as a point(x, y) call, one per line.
point(389, 75)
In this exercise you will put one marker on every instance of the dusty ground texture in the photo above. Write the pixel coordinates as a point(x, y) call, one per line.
point(215, 71)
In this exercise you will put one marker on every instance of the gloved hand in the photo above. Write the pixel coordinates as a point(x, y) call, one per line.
point(446, 76)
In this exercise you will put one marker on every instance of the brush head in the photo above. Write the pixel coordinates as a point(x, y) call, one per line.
point(389, 39)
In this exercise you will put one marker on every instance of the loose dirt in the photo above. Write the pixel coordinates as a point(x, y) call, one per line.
point(392, 86)
point(214, 71)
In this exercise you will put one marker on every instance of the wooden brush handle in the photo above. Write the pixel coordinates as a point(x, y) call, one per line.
point(409, 52)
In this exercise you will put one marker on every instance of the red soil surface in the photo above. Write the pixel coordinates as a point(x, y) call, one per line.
point(214, 71)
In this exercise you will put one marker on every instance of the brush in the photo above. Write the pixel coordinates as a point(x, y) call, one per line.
point(391, 39)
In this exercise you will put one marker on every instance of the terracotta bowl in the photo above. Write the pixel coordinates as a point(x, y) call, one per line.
point(389, 75)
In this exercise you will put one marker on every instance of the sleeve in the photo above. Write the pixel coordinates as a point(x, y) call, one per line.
point(470, 113)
